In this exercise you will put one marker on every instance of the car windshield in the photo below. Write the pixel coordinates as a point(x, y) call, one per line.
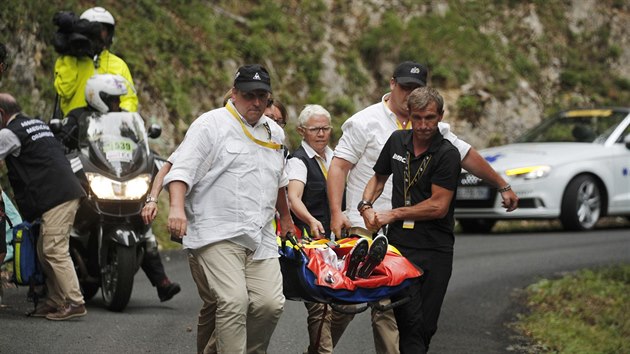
point(586, 126)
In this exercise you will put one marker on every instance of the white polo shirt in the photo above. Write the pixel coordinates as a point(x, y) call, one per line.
point(232, 182)
point(364, 135)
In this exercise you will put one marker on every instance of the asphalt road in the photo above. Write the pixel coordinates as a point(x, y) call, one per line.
point(489, 271)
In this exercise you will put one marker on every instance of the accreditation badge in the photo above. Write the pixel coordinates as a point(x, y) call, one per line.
point(408, 224)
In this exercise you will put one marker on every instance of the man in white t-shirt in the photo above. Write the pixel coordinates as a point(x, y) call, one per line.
point(364, 135)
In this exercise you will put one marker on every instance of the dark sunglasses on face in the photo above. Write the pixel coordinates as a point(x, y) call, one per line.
point(261, 96)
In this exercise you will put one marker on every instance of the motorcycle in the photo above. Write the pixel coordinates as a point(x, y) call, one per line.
point(109, 238)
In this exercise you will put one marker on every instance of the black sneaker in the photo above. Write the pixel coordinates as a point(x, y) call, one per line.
point(356, 256)
point(167, 291)
point(375, 256)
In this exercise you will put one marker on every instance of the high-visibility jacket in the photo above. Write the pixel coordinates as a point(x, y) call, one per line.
point(72, 73)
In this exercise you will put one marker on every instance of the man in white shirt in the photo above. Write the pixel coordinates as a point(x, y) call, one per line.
point(225, 186)
point(364, 135)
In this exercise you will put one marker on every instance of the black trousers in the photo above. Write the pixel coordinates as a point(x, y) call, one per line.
point(417, 320)
point(153, 268)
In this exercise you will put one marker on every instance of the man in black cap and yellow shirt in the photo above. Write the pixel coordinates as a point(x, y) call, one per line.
point(225, 185)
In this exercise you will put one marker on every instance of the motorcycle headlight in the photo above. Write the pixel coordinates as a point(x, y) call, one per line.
point(105, 188)
point(529, 172)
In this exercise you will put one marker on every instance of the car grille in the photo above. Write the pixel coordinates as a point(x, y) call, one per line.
point(473, 192)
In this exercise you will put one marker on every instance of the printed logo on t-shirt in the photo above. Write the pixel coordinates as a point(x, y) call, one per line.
point(399, 158)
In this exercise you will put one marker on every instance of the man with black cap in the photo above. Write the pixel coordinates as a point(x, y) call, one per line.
point(364, 135)
point(225, 185)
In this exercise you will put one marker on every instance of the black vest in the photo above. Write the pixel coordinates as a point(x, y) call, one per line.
point(41, 176)
point(315, 196)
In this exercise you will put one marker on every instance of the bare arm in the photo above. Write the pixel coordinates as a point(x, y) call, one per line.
point(177, 222)
point(478, 166)
point(372, 191)
point(296, 190)
point(336, 183)
point(282, 206)
point(436, 207)
point(149, 211)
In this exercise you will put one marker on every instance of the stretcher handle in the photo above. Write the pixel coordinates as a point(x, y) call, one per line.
point(349, 311)
point(296, 245)
point(382, 308)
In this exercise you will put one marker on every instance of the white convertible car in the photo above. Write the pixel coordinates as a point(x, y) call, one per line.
point(574, 166)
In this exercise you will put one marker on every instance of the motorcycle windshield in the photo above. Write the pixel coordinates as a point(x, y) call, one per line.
point(116, 142)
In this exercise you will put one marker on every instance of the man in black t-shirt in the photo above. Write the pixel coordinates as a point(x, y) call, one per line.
point(425, 167)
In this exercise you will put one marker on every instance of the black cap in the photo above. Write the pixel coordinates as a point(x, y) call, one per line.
point(409, 72)
point(252, 77)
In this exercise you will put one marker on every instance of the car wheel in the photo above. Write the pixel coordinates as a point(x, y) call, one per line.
point(476, 226)
point(581, 204)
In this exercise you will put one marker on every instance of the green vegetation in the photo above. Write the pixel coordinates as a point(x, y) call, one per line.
point(586, 312)
point(182, 54)
point(470, 108)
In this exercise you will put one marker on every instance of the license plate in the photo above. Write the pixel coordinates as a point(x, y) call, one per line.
point(473, 193)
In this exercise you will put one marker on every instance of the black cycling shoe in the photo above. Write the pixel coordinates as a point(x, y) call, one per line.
point(375, 256)
point(356, 256)
point(167, 291)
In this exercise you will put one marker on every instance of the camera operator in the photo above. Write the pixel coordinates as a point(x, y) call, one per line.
point(84, 55)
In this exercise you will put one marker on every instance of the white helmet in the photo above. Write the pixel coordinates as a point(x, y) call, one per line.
point(98, 14)
point(101, 88)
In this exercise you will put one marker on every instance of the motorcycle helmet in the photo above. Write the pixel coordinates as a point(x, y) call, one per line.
point(98, 14)
point(104, 17)
point(102, 90)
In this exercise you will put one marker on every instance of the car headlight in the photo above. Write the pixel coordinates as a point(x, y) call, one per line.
point(105, 188)
point(530, 172)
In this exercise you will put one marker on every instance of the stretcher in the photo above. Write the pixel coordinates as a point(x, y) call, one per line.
point(309, 275)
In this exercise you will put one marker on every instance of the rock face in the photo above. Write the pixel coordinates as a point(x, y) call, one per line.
point(537, 70)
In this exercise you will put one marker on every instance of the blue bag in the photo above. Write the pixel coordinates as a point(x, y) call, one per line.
point(26, 267)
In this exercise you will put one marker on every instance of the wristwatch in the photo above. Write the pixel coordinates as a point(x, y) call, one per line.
point(150, 199)
point(363, 204)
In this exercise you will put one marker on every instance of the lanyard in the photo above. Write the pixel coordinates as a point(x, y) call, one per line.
point(402, 127)
point(267, 144)
point(322, 166)
point(409, 182)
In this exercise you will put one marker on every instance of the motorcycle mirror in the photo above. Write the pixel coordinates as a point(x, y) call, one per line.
point(154, 131)
point(55, 125)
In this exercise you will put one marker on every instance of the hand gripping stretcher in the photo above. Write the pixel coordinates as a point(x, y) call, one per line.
point(311, 274)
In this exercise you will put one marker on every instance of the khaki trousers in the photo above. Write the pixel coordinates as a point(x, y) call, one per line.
point(248, 293)
point(384, 330)
point(325, 327)
point(206, 343)
point(53, 249)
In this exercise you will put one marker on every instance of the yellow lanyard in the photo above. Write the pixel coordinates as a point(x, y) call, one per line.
point(322, 165)
point(267, 144)
point(409, 182)
point(402, 127)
